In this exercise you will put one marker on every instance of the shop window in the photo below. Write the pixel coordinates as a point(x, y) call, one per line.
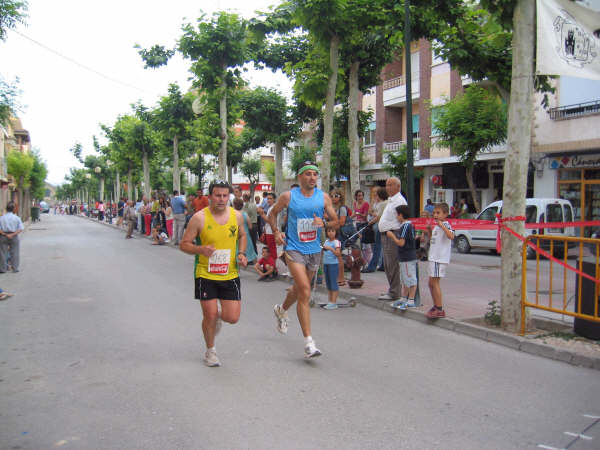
point(591, 174)
point(569, 174)
point(489, 213)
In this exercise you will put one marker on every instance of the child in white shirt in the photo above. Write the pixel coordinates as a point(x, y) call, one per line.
point(440, 247)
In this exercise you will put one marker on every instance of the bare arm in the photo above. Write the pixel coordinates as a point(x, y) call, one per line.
point(193, 229)
point(398, 241)
point(331, 214)
point(449, 233)
point(282, 202)
point(243, 240)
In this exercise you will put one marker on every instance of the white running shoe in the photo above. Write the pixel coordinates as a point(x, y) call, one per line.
point(385, 296)
point(282, 319)
point(311, 350)
point(211, 359)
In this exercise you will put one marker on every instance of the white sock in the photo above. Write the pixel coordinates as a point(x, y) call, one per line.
point(308, 339)
point(213, 348)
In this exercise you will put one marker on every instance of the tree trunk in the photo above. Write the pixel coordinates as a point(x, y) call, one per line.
point(102, 188)
point(135, 193)
point(223, 117)
point(129, 184)
point(118, 186)
point(328, 116)
point(146, 168)
point(517, 158)
point(229, 174)
point(471, 183)
point(278, 168)
point(176, 175)
point(353, 127)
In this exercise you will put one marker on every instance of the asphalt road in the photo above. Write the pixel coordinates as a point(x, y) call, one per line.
point(102, 349)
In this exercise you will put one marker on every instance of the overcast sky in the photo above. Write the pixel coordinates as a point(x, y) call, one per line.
point(64, 103)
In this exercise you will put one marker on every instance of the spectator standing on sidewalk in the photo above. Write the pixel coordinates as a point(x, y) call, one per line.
point(404, 238)
point(178, 206)
point(360, 216)
point(269, 235)
point(389, 222)
point(332, 250)
point(376, 211)
point(238, 205)
point(440, 249)
point(200, 202)
point(10, 228)
point(252, 213)
point(130, 216)
point(120, 210)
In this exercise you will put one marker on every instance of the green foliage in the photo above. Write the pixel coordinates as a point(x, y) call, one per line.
point(12, 12)
point(471, 122)
point(154, 57)
point(267, 113)
point(397, 165)
point(217, 49)
point(250, 167)
point(268, 168)
point(301, 154)
point(493, 316)
point(340, 149)
point(77, 150)
point(19, 165)
point(9, 103)
point(37, 177)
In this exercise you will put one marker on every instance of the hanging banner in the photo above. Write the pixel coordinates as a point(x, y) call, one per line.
point(568, 40)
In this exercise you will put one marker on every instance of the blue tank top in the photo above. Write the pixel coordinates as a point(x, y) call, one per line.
point(302, 235)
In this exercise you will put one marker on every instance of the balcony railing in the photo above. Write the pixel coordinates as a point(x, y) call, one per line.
point(396, 146)
point(574, 111)
point(394, 82)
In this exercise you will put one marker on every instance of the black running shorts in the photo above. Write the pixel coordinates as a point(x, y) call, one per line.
point(206, 289)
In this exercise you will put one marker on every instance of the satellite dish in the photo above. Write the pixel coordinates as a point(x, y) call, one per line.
point(197, 106)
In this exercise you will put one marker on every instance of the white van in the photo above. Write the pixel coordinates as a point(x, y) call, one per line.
point(536, 210)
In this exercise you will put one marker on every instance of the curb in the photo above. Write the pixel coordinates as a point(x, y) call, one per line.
point(498, 337)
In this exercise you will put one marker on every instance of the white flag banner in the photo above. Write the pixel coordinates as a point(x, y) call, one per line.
point(568, 40)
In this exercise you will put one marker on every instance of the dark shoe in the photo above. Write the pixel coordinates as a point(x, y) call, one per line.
point(435, 313)
point(366, 271)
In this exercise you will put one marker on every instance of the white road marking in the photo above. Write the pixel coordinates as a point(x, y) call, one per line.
point(547, 447)
point(591, 417)
point(581, 436)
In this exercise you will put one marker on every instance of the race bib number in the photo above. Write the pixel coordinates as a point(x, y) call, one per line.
point(307, 232)
point(218, 262)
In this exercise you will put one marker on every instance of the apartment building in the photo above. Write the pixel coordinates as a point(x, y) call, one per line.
point(432, 82)
point(566, 148)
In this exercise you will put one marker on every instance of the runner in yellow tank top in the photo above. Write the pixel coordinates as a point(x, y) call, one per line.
point(212, 235)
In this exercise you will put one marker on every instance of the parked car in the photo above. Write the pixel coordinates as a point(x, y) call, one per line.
point(44, 207)
point(536, 210)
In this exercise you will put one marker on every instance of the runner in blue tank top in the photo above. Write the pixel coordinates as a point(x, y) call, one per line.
point(305, 207)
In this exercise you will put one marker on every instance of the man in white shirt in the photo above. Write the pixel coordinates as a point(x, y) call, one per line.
point(10, 228)
point(389, 222)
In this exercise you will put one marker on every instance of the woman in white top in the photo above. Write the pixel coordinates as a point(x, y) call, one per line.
point(376, 210)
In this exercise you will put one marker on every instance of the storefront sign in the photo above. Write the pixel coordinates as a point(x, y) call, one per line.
point(575, 161)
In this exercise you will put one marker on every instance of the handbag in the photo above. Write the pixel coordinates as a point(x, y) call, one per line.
point(368, 235)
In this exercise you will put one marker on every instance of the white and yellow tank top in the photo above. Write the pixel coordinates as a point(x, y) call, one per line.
point(222, 264)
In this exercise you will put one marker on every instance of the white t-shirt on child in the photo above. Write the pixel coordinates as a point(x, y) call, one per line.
point(440, 247)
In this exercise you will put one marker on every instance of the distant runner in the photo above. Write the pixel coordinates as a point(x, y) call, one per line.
point(305, 207)
point(213, 235)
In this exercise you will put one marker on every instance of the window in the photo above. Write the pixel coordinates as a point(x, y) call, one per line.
point(369, 137)
point(554, 213)
point(435, 114)
point(489, 214)
point(531, 214)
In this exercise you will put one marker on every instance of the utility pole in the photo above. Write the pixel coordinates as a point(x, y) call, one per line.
point(410, 172)
point(520, 115)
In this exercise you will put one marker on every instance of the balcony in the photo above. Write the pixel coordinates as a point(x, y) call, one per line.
point(575, 111)
point(394, 91)
point(396, 146)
